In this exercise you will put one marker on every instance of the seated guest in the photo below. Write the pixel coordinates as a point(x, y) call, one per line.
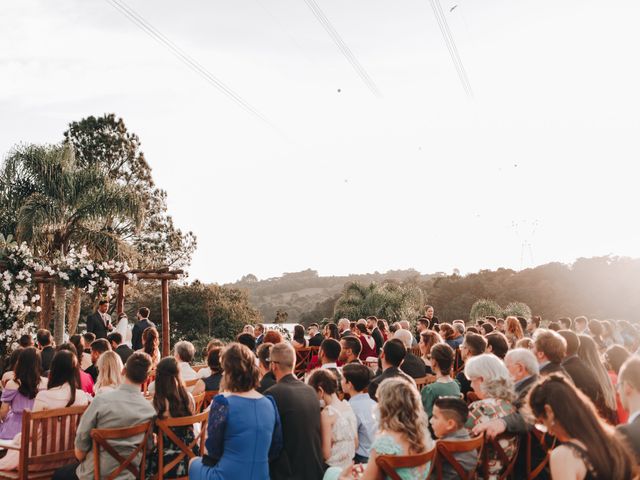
point(404, 430)
point(581, 375)
point(350, 348)
point(472, 346)
point(184, 353)
point(273, 336)
point(122, 349)
point(20, 392)
point(497, 344)
point(614, 357)
point(486, 328)
point(244, 427)
point(299, 409)
point(376, 328)
point(391, 356)
point(267, 378)
point(367, 341)
point(109, 367)
point(451, 336)
point(43, 337)
point(123, 407)
point(606, 403)
point(215, 343)
point(525, 343)
point(588, 446)
point(315, 337)
point(171, 400)
point(411, 365)
point(355, 381)
point(629, 388)
point(513, 330)
point(86, 382)
point(550, 349)
point(427, 340)
point(89, 338)
point(248, 340)
point(444, 386)
point(83, 357)
point(150, 345)
point(448, 419)
point(98, 347)
point(11, 366)
point(212, 382)
point(298, 337)
point(338, 424)
point(25, 341)
point(258, 332)
point(329, 353)
point(492, 384)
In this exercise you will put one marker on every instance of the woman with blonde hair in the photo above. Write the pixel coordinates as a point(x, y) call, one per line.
point(513, 331)
point(109, 372)
point(403, 430)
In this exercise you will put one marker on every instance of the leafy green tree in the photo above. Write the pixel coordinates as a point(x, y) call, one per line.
point(517, 309)
point(63, 206)
point(484, 308)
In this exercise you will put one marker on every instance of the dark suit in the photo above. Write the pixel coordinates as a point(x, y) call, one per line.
point(124, 351)
point(553, 367)
point(631, 431)
point(390, 372)
point(96, 325)
point(259, 339)
point(583, 378)
point(515, 422)
point(316, 340)
point(299, 409)
point(46, 355)
point(413, 366)
point(136, 332)
point(379, 339)
point(93, 371)
point(345, 333)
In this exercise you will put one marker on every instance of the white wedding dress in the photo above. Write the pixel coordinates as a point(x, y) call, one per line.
point(124, 329)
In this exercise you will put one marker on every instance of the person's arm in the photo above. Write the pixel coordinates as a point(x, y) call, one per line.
point(214, 444)
point(372, 471)
point(326, 424)
point(4, 410)
point(88, 422)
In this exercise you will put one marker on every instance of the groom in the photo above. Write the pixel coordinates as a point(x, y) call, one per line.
point(99, 323)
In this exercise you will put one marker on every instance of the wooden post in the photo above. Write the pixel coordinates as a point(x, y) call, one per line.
point(165, 318)
point(43, 320)
point(120, 298)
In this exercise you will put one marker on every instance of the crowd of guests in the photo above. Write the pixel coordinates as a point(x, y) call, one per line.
point(368, 389)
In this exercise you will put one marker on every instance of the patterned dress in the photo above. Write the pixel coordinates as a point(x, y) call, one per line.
point(343, 434)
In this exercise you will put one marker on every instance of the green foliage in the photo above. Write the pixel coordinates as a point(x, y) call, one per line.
point(483, 308)
point(517, 309)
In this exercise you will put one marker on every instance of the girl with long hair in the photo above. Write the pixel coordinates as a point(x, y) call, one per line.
point(298, 337)
point(428, 339)
point(150, 343)
point(11, 366)
point(84, 380)
point(331, 331)
point(588, 353)
point(109, 372)
point(590, 449)
point(513, 331)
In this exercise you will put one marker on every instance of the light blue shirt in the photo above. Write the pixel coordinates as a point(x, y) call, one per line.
point(363, 408)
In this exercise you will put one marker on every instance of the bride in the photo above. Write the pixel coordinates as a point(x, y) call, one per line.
point(124, 329)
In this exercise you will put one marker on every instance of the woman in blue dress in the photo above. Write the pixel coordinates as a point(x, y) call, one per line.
point(244, 431)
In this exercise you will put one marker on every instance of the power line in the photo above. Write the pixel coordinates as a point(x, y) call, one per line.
point(451, 46)
point(342, 46)
point(185, 58)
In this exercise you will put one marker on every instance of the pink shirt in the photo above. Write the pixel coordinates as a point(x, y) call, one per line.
point(86, 382)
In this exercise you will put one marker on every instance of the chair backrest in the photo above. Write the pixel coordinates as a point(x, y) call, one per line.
point(101, 437)
point(389, 463)
point(458, 363)
point(199, 401)
point(508, 463)
point(446, 450)
point(303, 357)
point(424, 381)
point(208, 398)
point(199, 367)
point(191, 383)
point(546, 442)
point(166, 426)
point(416, 350)
point(47, 440)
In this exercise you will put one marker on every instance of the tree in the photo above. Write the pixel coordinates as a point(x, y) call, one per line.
point(517, 309)
point(485, 308)
point(63, 206)
point(105, 143)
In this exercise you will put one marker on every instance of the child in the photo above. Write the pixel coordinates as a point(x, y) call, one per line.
point(442, 357)
point(355, 383)
point(448, 419)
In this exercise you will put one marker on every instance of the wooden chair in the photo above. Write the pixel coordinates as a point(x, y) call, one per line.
point(508, 464)
point(458, 363)
point(416, 351)
point(101, 437)
point(303, 358)
point(424, 381)
point(165, 427)
point(389, 463)
point(47, 442)
point(208, 398)
point(189, 384)
point(547, 443)
point(446, 450)
point(199, 401)
point(199, 367)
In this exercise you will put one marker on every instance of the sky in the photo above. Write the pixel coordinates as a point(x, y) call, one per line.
point(540, 165)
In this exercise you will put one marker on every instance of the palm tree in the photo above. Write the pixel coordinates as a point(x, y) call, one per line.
point(63, 206)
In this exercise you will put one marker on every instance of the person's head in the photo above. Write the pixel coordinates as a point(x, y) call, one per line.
point(239, 366)
point(13, 359)
point(525, 343)
point(554, 326)
point(298, 333)
point(114, 339)
point(447, 331)
point(615, 356)
point(401, 412)
point(43, 337)
point(329, 351)
point(404, 324)
point(595, 328)
point(184, 351)
point(459, 327)
point(258, 330)
point(449, 415)
point(513, 327)
point(103, 306)
point(273, 336)
point(580, 324)
point(423, 324)
point(78, 342)
point(629, 384)
point(589, 354)
point(491, 319)
point(25, 340)
point(150, 340)
point(533, 324)
point(486, 328)
point(249, 329)
point(472, 345)
point(372, 322)
point(360, 329)
point(213, 359)
point(442, 356)
point(313, 330)
point(27, 372)
point(263, 352)
point(569, 415)
point(427, 340)
point(355, 378)
point(393, 353)
point(571, 340)
point(324, 382)
point(607, 328)
point(109, 370)
point(497, 344)
point(394, 327)
point(98, 347)
point(343, 324)
point(89, 338)
point(500, 324)
point(350, 348)
point(382, 325)
point(548, 346)
point(565, 323)
point(521, 363)
point(428, 312)
point(248, 340)
point(137, 368)
point(489, 377)
point(68, 346)
point(405, 337)
point(523, 323)
point(143, 313)
point(282, 360)
point(170, 390)
point(213, 343)
point(64, 370)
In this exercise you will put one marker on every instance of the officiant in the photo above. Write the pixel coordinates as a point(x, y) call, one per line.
point(99, 323)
